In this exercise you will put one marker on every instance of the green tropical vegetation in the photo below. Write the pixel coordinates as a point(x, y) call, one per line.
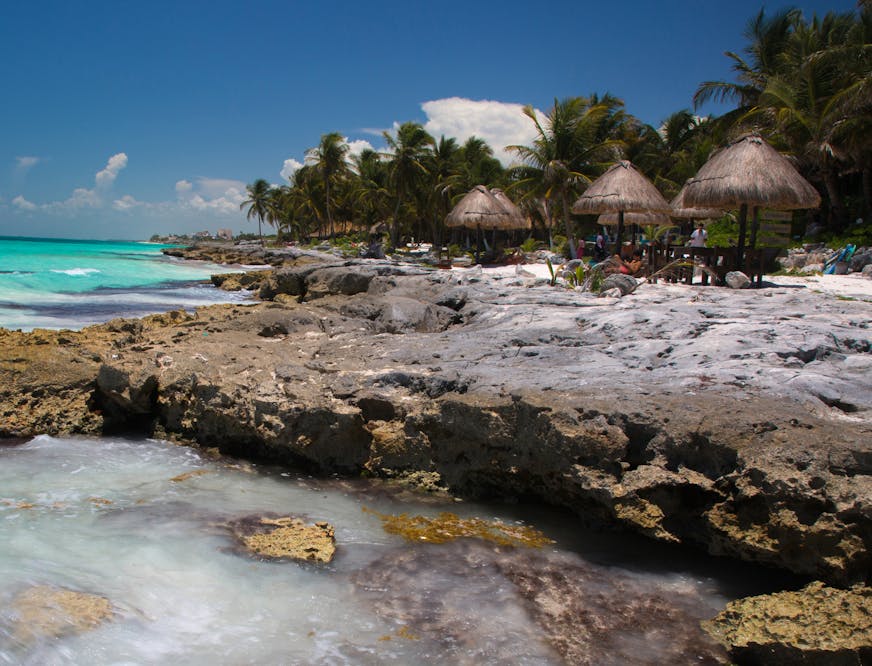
point(804, 83)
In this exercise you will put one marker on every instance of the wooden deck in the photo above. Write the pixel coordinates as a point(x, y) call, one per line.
point(717, 259)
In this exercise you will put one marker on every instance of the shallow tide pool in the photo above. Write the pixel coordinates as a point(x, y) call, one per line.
point(122, 519)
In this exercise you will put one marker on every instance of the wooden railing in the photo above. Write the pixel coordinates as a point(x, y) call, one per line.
point(718, 260)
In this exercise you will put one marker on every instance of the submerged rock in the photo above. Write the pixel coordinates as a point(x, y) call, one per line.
point(815, 625)
point(593, 617)
point(286, 538)
point(44, 611)
point(532, 606)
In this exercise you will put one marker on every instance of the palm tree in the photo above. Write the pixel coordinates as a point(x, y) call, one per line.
point(370, 193)
point(478, 166)
point(258, 202)
point(674, 152)
point(812, 103)
point(767, 39)
point(309, 200)
point(808, 86)
point(571, 147)
point(329, 159)
point(443, 168)
point(407, 154)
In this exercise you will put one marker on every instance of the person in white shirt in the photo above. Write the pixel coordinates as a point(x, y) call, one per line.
point(698, 237)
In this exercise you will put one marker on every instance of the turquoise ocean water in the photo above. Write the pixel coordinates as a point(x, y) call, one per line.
point(53, 283)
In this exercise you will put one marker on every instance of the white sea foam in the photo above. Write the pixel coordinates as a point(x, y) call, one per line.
point(76, 272)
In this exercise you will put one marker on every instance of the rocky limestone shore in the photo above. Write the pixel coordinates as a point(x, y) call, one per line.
point(737, 422)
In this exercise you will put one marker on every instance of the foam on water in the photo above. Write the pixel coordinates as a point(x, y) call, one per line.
point(107, 517)
point(76, 271)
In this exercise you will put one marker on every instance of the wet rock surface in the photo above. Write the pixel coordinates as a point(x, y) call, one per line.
point(286, 538)
point(815, 625)
point(734, 421)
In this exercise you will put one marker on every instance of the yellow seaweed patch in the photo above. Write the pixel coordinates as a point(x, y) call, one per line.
point(448, 526)
point(402, 632)
point(99, 501)
point(189, 475)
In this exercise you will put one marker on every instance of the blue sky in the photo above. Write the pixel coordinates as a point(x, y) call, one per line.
point(123, 119)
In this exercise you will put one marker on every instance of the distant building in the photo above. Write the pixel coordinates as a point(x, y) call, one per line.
point(202, 235)
point(224, 234)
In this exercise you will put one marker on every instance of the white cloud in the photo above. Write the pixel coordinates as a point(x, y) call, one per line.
point(357, 146)
point(289, 168)
point(215, 187)
point(23, 204)
point(220, 195)
point(25, 163)
point(115, 164)
point(127, 202)
point(375, 131)
point(82, 198)
point(501, 124)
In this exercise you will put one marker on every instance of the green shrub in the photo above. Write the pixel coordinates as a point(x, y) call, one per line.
point(530, 245)
point(856, 234)
point(723, 232)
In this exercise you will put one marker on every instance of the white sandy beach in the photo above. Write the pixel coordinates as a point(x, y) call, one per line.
point(854, 285)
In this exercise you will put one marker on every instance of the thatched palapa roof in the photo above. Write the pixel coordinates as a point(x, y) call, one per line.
point(622, 188)
point(488, 209)
point(750, 172)
point(681, 210)
point(639, 219)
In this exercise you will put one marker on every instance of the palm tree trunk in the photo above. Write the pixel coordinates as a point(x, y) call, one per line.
point(478, 236)
point(743, 222)
point(569, 238)
point(395, 227)
point(755, 226)
point(549, 222)
point(837, 206)
point(867, 192)
point(327, 204)
point(619, 235)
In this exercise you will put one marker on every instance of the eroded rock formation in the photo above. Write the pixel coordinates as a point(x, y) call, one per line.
point(734, 421)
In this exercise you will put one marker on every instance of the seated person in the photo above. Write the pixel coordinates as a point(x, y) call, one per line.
point(633, 266)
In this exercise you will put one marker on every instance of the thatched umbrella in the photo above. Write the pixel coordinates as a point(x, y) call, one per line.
point(749, 172)
point(622, 189)
point(516, 218)
point(635, 220)
point(640, 219)
point(481, 208)
point(681, 210)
